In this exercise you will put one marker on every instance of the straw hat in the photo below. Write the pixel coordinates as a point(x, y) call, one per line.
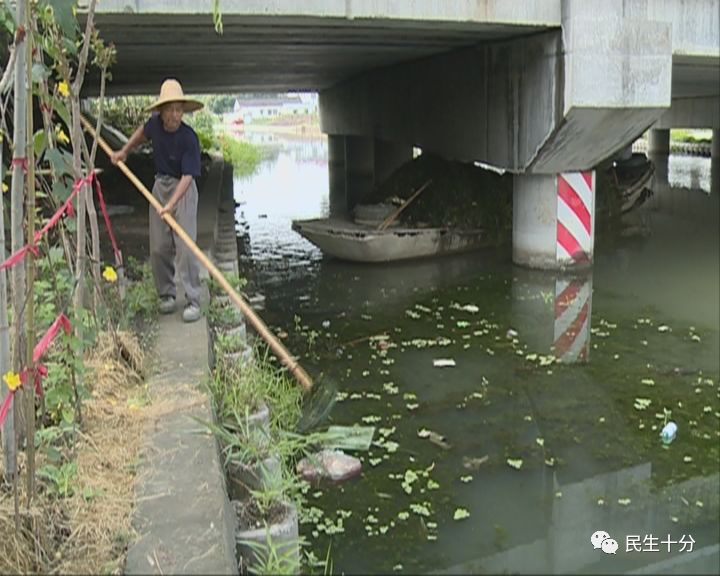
point(171, 91)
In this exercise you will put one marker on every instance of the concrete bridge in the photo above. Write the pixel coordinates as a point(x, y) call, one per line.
point(538, 88)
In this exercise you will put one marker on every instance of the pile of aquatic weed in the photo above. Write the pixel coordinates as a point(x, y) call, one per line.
point(87, 529)
point(460, 196)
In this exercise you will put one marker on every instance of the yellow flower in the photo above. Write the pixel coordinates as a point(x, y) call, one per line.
point(63, 89)
point(12, 380)
point(62, 137)
point(109, 274)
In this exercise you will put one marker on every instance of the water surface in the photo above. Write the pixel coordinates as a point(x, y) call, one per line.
point(510, 460)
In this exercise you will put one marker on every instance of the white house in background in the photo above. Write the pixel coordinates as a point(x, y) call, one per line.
point(282, 105)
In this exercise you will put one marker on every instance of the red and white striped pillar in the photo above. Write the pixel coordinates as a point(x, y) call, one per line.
point(573, 307)
point(554, 220)
point(575, 217)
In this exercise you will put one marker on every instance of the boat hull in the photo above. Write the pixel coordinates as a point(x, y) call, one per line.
point(349, 241)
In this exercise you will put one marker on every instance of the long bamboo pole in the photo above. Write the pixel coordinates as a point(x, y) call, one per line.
point(390, 219)
point(260, 327)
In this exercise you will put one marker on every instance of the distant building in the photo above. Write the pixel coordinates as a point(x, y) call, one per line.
point(281, 105)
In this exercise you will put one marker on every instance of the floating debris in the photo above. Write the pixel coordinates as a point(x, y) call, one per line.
point(332, 464)
point(443, 362)
point(439, 440)
point(515, 463)
point(470, 463)
point(668, 433)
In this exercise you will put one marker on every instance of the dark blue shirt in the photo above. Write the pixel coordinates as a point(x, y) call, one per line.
point(176, 153)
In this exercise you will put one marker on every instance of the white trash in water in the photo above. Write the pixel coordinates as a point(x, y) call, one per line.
point(668, 433)
point(333, 464)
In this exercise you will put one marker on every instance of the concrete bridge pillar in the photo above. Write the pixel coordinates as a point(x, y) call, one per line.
point(659, 141)
point(360, 168)
point(351, 166)
point(388, 157)
point(337, 175)
point(356, 164)
point(715, 164)
point(554, 220)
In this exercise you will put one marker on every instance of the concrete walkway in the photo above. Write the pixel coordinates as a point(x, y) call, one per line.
point(183, 515)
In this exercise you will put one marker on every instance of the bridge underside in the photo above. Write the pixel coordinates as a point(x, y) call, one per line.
point(272, 54)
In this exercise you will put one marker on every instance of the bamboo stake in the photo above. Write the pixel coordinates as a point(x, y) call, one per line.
point(29, 391)
point(390, 219)
point(275, 345)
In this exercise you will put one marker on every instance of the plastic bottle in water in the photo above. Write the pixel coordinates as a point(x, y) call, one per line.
point(668, 433)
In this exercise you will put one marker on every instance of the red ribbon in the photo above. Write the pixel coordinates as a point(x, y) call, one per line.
point(106, 216)
point(20, 161)
point(40, 370)
point(66, 208)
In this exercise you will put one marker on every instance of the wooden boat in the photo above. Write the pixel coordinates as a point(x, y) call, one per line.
point(359, 243)
point(635, 188)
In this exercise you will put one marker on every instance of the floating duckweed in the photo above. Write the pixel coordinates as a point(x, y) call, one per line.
point(390, 388)
point(624, 501)
point(642, 403)
point(403, 515)
point(648, 381)
point(371, 419)
point(540, 441)
point(466, 479)
point(420, 509)
point(461, 514)
point(432, 485)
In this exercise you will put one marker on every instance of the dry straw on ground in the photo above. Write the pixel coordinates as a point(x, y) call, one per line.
point(88, 532)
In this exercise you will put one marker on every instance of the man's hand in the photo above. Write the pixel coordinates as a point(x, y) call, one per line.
point(118, 156)
point(167, 209)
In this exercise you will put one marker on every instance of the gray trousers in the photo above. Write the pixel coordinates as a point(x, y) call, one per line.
point(164, 243)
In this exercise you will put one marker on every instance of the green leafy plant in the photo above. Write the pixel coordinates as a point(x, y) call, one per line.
point(271, 558)
point(60, 479)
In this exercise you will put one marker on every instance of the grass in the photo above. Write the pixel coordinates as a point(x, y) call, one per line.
point(693, 136)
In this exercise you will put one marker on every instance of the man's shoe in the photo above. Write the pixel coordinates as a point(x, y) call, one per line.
point(191, 313)
point(167, 305)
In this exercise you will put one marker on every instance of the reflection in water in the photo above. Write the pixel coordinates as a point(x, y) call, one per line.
point(553, 312)
point(539, 456)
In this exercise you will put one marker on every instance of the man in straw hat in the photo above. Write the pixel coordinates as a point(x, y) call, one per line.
point(177, 164)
